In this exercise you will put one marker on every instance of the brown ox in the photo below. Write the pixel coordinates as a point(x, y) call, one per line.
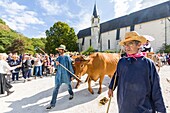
point(76, 63)
point(155, 58)
point(96, 66)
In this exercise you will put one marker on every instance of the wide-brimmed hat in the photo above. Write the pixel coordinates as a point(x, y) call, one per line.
point(61, 47)
point(133, 35)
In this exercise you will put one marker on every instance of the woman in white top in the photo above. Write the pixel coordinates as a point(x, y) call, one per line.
point(4, 69)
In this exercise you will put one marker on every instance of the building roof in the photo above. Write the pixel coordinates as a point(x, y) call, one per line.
point(95, 12)
point(149, 14)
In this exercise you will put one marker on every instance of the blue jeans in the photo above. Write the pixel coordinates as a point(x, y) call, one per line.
point(38, 70)
point(55, 93)
point(13, 76)
point(27, 73)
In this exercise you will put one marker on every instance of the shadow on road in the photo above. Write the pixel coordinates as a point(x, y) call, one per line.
point(33, 104)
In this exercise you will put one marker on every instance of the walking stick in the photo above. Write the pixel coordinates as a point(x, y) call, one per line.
point(111, 96)
point(70, 72)
point(41, 50)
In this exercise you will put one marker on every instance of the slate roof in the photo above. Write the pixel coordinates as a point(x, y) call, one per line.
point(95, 12)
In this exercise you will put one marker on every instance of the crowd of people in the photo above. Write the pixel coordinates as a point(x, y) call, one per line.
point(26, 67)
point(39, 66)
point(16, 67)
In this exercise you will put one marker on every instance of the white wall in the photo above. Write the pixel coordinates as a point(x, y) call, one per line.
point(168, 30)
point(86, 43)
point(122, 37)
point(108, 36)
point(80, 44)
point(155, 29)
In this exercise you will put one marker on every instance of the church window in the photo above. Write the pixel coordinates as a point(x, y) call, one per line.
point(132, 27)
point(118, 34)
point(83, 41)
point(90, 42)
point(108, 44)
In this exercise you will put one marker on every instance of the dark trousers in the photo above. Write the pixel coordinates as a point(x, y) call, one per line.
point(15, 75)
point(27, 73)
point(4, 85)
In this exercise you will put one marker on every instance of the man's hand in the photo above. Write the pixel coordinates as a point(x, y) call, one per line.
point(110, 93)
point(57, 63)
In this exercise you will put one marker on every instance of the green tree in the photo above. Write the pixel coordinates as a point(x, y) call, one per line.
point(164, 49)
point(12, 41)
point(17, 46)
point(89, 51)
point(38, 43)
point(60, 33)
point(6, 38)
point(2, 22)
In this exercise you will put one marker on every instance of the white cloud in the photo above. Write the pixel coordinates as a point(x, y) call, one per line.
point(18, 17)
point(13, 6)
point(121, 7)
point(124, 7)
point(79, 3)
point(41, 35)
point(84, 21)
point(52, 7)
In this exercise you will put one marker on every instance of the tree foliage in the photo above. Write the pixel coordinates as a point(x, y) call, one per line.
point(88, 51)
point(12, 41)
point(38, 43)
point(6, 38)
point(17, 46)
point(60, 33)
point(164, 49)
point(2, 22)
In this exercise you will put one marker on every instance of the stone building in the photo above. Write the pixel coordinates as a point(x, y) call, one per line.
point(153, 21)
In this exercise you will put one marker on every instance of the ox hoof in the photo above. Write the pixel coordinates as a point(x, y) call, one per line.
point(99, 92)
point(91, 91)
point(77, 87)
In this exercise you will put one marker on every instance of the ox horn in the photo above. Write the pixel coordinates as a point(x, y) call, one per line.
point(86, 57)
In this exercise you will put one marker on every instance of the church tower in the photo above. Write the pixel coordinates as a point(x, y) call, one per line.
point(95, 29)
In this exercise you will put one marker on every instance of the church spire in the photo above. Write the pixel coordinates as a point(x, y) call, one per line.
point(95, 11)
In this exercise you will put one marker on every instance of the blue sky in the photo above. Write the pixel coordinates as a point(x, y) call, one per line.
point(33, 17)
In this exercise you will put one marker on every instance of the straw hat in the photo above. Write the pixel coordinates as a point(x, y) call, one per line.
point(133, 35)
point(61, 47)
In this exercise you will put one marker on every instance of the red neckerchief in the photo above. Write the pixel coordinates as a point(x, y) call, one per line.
point(137, 55)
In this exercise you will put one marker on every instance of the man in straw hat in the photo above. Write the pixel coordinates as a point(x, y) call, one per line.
point(136, 79)
point(62, 75)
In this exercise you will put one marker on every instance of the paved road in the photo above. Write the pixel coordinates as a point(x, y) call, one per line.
point(34, 96)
